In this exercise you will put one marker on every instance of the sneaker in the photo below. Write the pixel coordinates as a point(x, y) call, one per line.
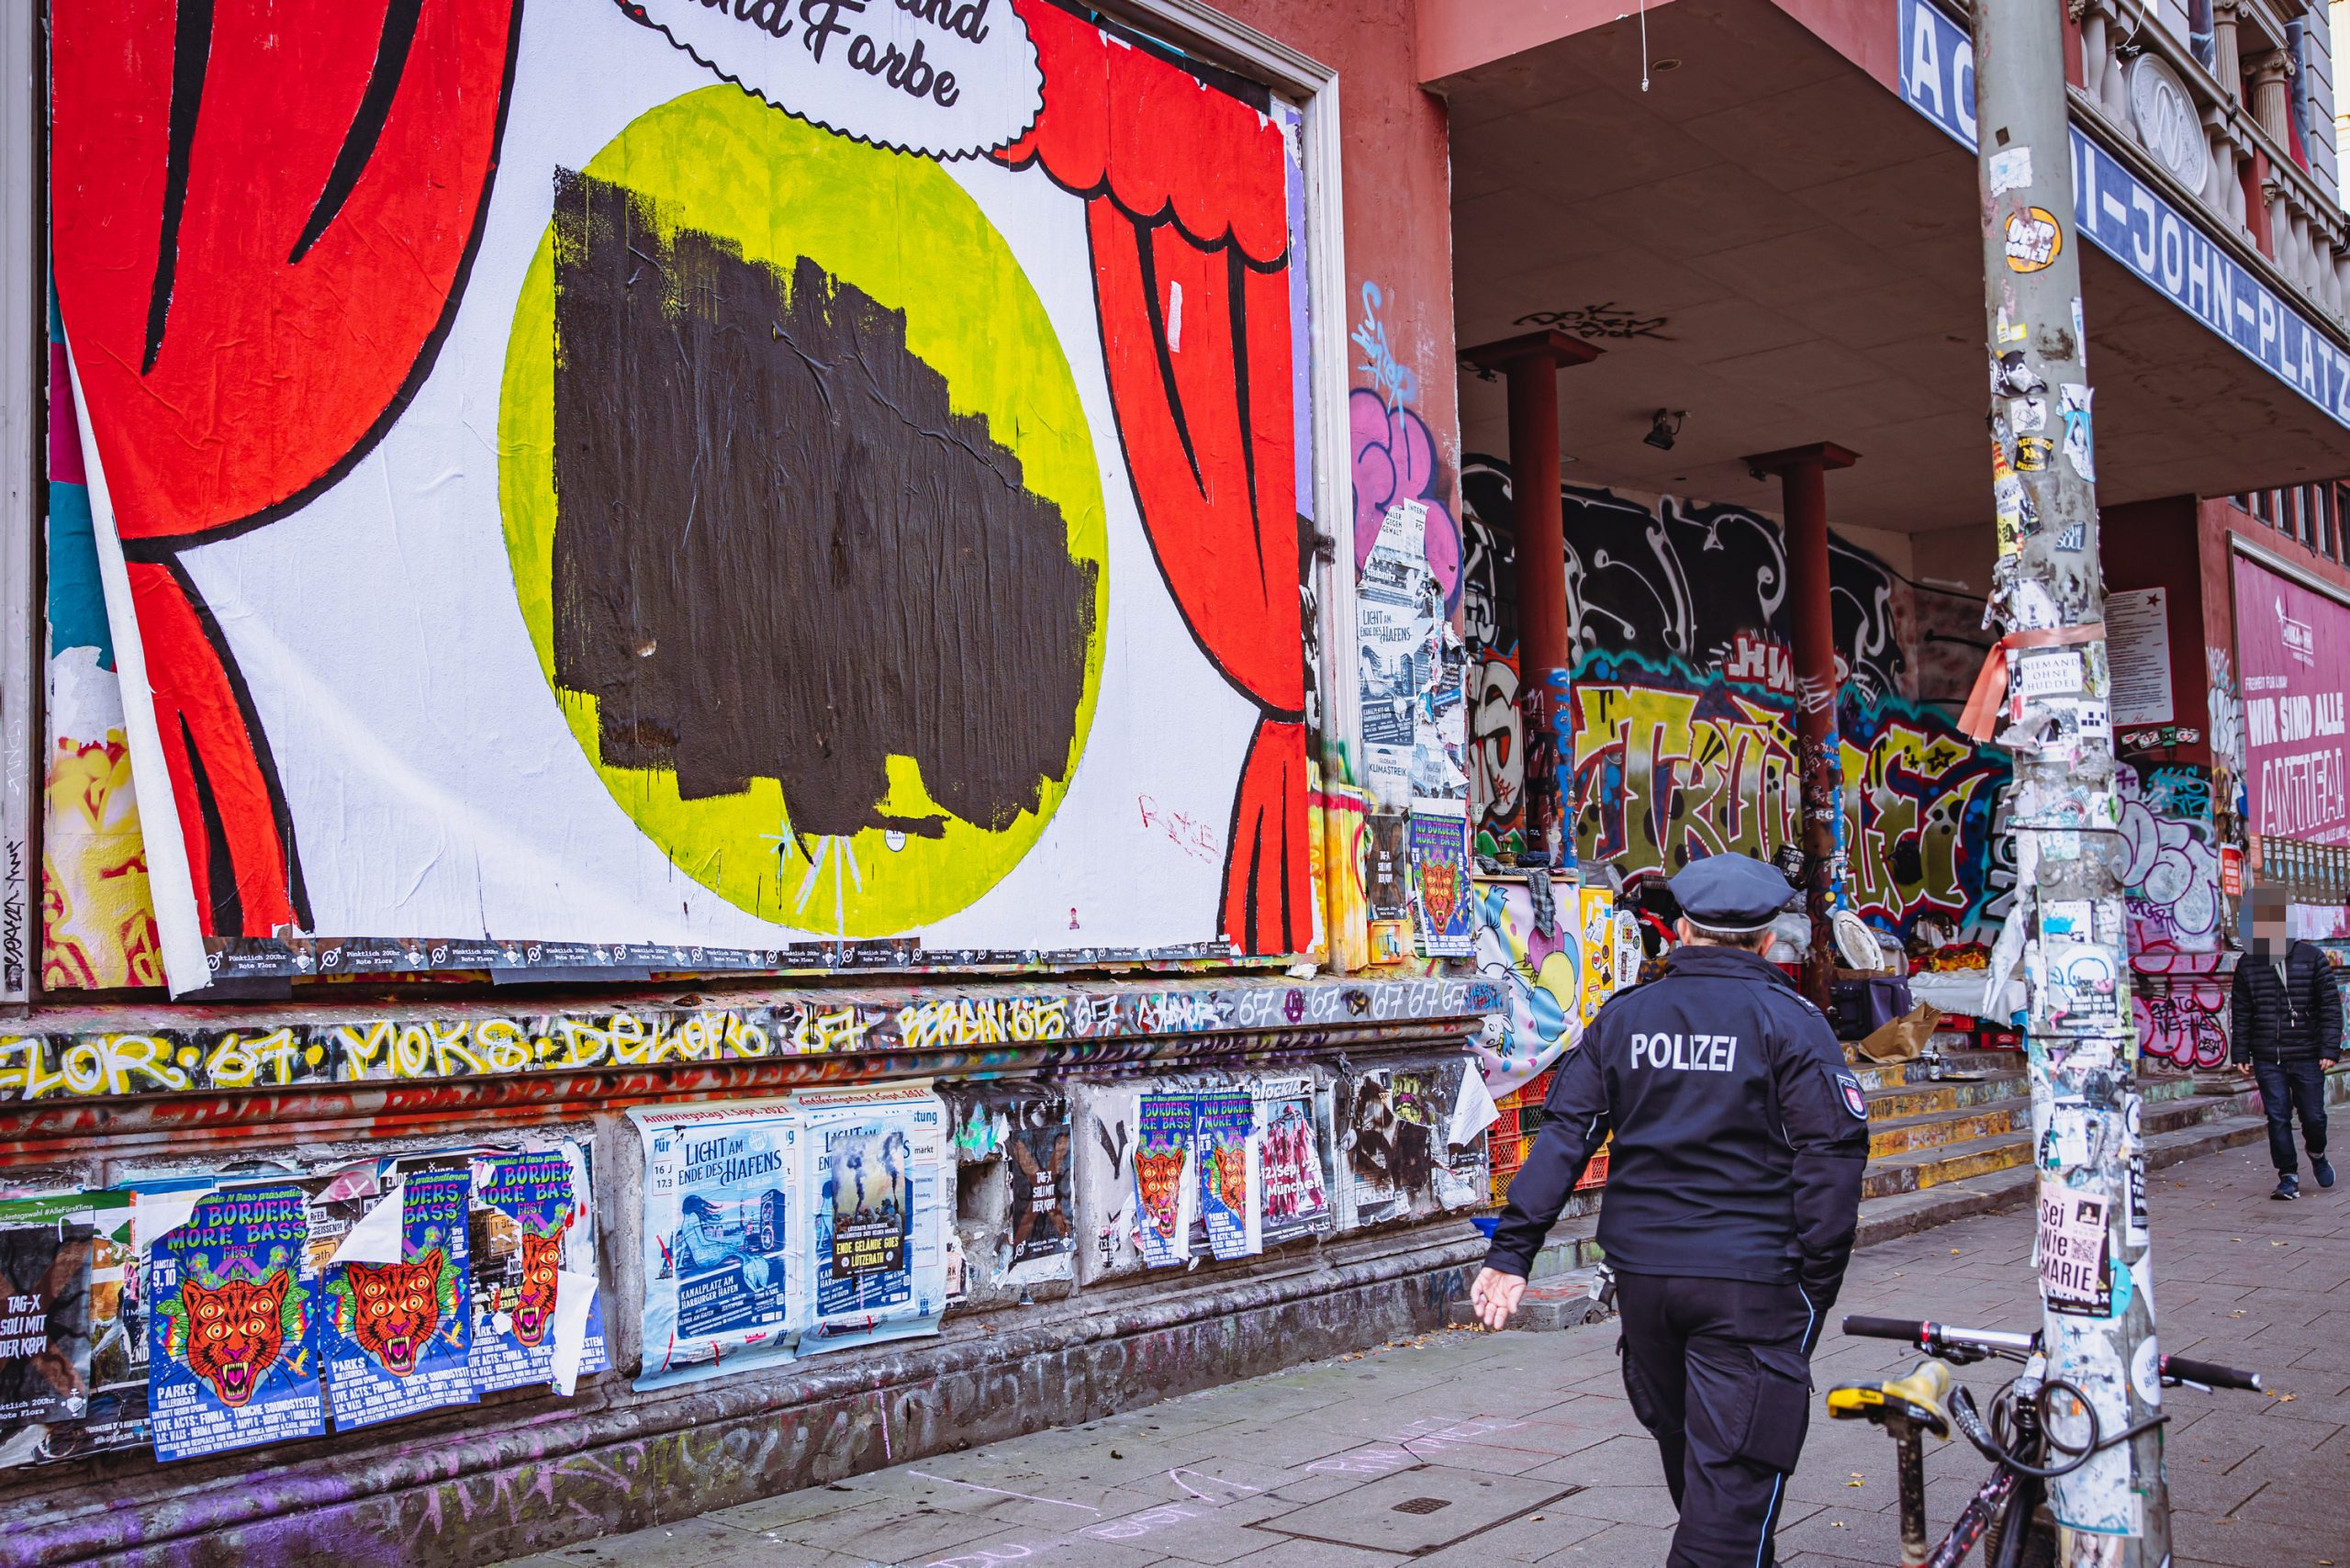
point(2287, 1189)
point(2324, 1168)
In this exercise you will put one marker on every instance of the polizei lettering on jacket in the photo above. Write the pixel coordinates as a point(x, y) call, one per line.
point(1687, 1053)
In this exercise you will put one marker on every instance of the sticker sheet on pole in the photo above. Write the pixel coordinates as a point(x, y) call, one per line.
point(596, 482)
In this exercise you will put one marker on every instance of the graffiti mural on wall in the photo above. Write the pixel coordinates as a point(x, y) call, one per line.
point(1672, 763)
point(1683, 692)
point(1543, 972)
point(1098, 314)
point(2171, 867)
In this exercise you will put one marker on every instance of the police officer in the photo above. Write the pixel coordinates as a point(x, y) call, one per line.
point(1733, 1190)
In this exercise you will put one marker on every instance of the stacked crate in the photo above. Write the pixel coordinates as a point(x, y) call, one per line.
point(1511, 1138)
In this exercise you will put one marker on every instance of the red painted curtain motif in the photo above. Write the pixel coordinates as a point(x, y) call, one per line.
point(261, 213)
point(1188, 215)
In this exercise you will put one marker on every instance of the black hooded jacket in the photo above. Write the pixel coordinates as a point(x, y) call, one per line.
point(2294, 1019)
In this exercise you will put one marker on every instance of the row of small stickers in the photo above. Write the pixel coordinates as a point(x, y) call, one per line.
point(198, 1316)
point(778, 1228)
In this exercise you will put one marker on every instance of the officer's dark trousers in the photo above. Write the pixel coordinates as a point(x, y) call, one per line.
point(2287, 1088)
point(1718, 1371)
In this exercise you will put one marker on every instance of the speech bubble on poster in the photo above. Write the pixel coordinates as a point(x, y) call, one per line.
point(943, 78)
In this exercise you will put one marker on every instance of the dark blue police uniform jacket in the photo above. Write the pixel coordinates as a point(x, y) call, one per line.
point(1740, 1133)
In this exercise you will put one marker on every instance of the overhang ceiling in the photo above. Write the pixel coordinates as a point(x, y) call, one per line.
point(1810, 245)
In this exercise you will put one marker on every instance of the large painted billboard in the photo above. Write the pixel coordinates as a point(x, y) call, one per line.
point(580, 484)
point(2293, 647)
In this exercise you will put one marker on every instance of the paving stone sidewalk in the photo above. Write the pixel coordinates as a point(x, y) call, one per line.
point(1468, 1447)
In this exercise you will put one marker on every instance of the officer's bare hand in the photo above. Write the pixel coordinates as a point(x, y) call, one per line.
point(1495, 1296)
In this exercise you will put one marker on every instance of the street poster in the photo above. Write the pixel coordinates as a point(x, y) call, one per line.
point(232, 1352)
point(1442, 908)
point(877, 1178)
point(396, 1331)
point(531, 1228)
point(722, 1266)
point(1044, 1229)
point(1397, 606)
point(2295, 645)
point(1392, 1135)
point(1165, 1192)
point(2070, 1249)
point(1296, 1197)
point(45, 1317)
point(1387, 875)
point(2137, 655)
point(1231, 1189)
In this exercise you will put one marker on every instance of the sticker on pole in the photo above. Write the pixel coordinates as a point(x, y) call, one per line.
point(2033, 239)
point(2070, 1249)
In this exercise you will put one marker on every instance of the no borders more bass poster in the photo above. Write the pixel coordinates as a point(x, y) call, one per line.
point(440, 648)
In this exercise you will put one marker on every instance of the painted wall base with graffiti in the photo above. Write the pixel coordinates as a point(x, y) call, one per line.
point(668, 1209)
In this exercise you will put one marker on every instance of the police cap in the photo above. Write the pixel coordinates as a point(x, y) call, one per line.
point(1730, 892)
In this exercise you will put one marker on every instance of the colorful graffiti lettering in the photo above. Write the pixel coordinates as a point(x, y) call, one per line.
point(66, 1066)
point(1672, 764)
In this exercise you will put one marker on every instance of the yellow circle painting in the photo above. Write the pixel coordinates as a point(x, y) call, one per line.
point(804, 515)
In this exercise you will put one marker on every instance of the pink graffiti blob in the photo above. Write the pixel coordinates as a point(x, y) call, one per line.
point(1394, 460)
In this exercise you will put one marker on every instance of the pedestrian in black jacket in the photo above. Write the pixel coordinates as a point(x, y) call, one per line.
point(1733, 1190)
point(2285, 1029)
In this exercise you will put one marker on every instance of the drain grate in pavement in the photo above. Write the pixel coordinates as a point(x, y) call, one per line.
point(1419, 1510)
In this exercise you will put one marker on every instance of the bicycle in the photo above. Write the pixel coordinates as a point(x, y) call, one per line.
point(2007, 1512)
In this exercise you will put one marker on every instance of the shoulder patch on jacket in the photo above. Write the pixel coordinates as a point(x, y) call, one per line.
point(1856, 1100)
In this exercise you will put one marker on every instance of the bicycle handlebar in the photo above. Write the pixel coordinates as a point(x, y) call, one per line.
point(1942, 1340)
point(2210, 1374)
point(1908, 1328)
point(1974, 1344)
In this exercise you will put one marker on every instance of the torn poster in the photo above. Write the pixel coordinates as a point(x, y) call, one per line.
point(1043, 1240)
point(396, 1332)
point(724, 1267)
point(1166, 1194)
point(232, 1353)
point(1228, 1153)
point(45, 1316)
point(879, 1179)
point(530, 1224)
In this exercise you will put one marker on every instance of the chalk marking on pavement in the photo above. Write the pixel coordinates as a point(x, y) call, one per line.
point(1024, 1497)
point(1177, 1474)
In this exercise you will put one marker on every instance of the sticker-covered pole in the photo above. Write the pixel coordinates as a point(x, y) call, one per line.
point(1544, 655)
point(2044, 695)
point(1802, 478)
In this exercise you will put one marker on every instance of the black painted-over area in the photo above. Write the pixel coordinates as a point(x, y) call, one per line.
point(778, 554)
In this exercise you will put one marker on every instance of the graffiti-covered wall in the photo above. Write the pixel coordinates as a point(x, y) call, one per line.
point(1685, 697)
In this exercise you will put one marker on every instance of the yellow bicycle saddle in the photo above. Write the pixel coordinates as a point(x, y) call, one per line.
point(1917, 1398)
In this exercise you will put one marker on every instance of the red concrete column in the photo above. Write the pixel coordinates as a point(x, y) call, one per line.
point(1545, 656)
point(1803, 479)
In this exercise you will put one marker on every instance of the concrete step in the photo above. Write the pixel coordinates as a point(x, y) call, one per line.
point(1934, 1166)
point(1942, 1129)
